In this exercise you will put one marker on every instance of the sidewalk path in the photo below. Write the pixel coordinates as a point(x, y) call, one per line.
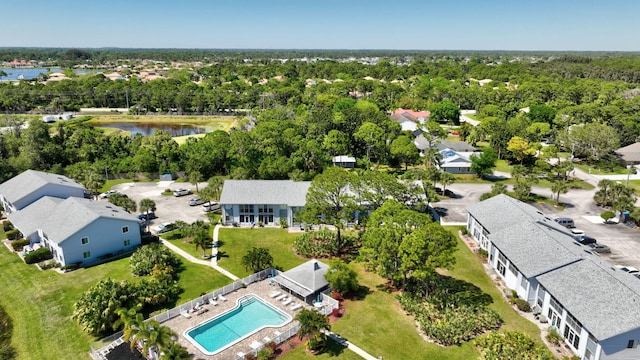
point(195, 260)
point(350, 346)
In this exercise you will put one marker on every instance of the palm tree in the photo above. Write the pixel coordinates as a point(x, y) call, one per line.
point(446, 178)
point(559, 187)
point(200, 239)
point(311, 325)
point(194, 178)
point(174, 351)
point(155, 336)
point(257, 259)
point(147, 205)
point(132, 321)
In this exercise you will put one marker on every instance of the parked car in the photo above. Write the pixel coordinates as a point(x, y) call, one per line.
point(150, 215)
point(586, 240)
point(566, 222)
point(195, 201)
point(599, 248)
point(578, 234)
point(182, 192)
point(107, 193)
point(164, 227)
point(628, 269)
point(211, 206)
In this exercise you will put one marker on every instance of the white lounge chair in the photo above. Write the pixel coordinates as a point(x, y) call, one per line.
point(185, 314)
point(266, 339)
point(222, 298)
point(296, 307)
point(287, 302)
point(281, 297)
point(274, 293)
point(213, 302)
point(240, 355)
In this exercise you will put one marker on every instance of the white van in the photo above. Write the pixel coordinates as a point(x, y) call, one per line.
point(211, 206)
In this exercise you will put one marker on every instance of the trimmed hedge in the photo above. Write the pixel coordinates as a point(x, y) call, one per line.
point(522, 305)
point(37, 256)
point(12, 234)
point(6, 226)
point(19, 244)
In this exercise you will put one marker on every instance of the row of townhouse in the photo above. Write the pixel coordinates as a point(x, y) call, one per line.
point(52, 210)
point(595, 307)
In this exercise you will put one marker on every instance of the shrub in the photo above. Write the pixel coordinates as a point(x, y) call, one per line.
point(50, 265)
point(483, 253)
point(511, 345)
point(316, 244)
point(6, 226)
point(70, 267)
point(143, 260)
point(12, 234)
point(283, 223)
point(19, 244)
point(553, 337)
point(265, 354)
point(451, 324)
point(37, 256)
point(523, 305)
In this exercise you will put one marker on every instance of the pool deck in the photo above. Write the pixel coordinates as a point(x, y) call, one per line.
point(262, 289)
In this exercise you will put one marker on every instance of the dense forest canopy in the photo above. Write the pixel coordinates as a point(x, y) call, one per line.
point(301, 113)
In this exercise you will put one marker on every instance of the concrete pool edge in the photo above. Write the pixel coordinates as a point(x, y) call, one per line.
point(239, 303)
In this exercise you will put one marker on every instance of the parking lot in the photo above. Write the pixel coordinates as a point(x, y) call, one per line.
point(168, 207)
point(623, 240)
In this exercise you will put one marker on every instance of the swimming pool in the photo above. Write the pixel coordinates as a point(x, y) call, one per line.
point(250, 315)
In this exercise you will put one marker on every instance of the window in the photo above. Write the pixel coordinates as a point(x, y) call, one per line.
point(502, 260)
point(631, 344)
point(125, 229)
point(246, 208)
point(84, 240)
point(572, 331)
point(524, 283)
point(127, 242)
point(513, 269)
point(86, 254)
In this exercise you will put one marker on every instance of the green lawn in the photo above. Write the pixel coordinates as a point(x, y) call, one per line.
point(333, 350)
point(590, 169)
point(234, 244)
point(175, 237)
point(40, 303)
point(378, 324)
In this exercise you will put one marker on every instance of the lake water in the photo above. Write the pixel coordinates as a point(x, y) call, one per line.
point(150, 128)
point(32, 73)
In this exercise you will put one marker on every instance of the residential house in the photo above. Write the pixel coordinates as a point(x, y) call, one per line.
point(26, 188)
point(595, 307)
point(455, 162)
point(86, 231)
point(630, 154)
point(249, 202)
point(409, 120)
point(348, 162)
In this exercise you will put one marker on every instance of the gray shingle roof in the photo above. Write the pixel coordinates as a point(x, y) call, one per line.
point(268, 192)
point(605, 301)
point(492, 212)
point(630, 153)
point(305, 279)
point(29, 181)
point(457, 146)
point(28, 219)
point(536, 248)
point(73, 214)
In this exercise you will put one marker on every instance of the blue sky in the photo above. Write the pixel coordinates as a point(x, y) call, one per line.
point(325, 24)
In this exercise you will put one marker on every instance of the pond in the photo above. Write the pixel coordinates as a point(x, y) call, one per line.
point(150, 127)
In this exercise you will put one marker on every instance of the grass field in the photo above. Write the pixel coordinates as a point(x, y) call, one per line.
point(234, 244)
point(40, 303)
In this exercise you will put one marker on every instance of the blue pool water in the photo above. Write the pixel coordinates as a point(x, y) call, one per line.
point(250, 315)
